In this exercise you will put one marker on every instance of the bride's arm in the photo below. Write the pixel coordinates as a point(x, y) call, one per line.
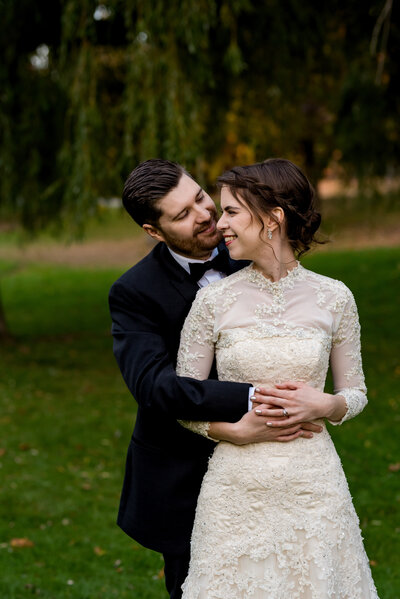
point(196, 350)
point(346, 363)
point(303, 402)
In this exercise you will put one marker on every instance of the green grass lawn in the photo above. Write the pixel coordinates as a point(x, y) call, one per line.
point(66, 419)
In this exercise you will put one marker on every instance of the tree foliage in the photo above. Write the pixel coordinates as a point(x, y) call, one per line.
point(209, 83)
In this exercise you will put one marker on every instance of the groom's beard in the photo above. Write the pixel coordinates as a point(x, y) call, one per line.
point(199, 246)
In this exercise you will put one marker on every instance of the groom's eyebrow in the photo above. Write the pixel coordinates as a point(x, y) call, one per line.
point(196, 197)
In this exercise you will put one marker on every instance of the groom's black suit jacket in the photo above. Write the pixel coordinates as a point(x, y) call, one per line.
point(166, 462)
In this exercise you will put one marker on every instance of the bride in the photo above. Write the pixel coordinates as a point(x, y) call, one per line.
point(276, 521)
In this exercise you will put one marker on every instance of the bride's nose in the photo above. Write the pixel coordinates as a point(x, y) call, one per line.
point(221, 225)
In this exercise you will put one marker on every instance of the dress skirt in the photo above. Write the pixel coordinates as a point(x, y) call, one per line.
point(276, 521)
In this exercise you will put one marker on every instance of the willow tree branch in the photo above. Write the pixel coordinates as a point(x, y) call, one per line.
point(382, 23)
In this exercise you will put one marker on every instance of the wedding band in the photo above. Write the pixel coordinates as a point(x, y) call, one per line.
point(285, 413)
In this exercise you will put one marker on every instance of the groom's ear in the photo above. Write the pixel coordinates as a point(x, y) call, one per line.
point(153, 232)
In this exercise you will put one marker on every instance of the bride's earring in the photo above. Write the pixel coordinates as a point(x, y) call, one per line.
point(269, 233)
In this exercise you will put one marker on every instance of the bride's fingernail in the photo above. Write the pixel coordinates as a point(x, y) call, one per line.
point(258, 412)
point(253, 397)
point(268, 423)
point(257, 390)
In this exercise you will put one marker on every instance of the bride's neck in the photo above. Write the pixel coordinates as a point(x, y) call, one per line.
point(276, 261)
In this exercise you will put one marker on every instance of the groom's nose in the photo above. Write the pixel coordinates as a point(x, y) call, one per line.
point(203, 215)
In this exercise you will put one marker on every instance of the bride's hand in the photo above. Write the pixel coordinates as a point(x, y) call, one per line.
point(297, 402)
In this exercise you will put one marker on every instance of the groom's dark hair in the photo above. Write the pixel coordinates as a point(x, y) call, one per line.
point(148, 183)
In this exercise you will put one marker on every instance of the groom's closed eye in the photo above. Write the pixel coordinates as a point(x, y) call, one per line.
point(181, 215)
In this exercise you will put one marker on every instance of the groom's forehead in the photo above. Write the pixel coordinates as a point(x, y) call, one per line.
point(181, 197)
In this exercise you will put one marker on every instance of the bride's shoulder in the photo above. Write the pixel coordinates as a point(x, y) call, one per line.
point(328, 285)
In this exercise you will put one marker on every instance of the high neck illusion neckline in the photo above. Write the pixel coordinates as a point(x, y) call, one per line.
point(256, 276)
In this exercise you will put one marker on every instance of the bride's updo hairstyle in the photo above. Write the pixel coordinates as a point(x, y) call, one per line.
point(277, 183)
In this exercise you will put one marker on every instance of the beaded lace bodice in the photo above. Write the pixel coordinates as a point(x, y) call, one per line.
point(271, 332)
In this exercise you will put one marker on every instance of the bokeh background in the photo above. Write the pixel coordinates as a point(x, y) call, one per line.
point(88, 90)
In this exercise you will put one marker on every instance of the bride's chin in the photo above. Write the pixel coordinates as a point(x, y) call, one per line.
point(235, 255)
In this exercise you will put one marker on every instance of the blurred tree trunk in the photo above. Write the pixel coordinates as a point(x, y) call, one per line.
point(4, 330)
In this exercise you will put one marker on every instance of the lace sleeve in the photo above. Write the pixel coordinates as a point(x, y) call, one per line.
point(348, 377)
point(196, 350)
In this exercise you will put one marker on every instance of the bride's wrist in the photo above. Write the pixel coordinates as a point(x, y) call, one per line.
point(336, 407)
point(327, 406)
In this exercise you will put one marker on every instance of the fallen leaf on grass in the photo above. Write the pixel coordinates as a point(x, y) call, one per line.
point(24, 446)
point(24, 542)
point(117, 565)
point(160, 575)
point(372, 562)
point(99, 551)
point(2, 451)
point(394, 467)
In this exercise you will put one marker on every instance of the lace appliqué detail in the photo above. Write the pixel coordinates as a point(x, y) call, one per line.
point(201, 428)
point(275, 287)
point(196, 338)
point(355, 369)
point(186, 364)
point(356, 400)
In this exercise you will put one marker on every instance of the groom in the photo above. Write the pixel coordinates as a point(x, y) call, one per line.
point(166, 462)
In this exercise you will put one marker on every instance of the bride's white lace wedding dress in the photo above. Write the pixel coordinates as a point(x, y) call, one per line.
point(276, 520)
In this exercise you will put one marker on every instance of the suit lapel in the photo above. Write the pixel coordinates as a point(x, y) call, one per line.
point(177, 276)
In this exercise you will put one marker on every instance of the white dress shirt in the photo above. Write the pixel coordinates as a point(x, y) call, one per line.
point(209, 276)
